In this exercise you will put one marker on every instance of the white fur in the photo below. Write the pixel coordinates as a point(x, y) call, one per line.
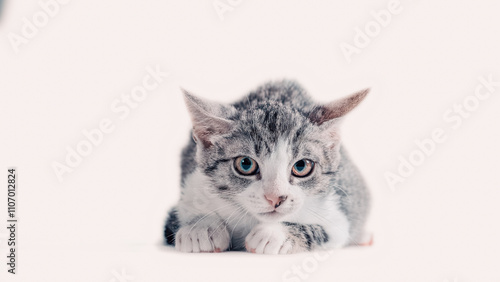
point(260, 232)
point(197, 202)
point(275, 172)
point(326, 212)
point(207, 235)
point(268, 238)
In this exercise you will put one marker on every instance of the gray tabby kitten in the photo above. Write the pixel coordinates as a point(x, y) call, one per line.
point(268, 174)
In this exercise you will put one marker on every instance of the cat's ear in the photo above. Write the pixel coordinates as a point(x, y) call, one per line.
point(208, 118)
point(328, 117)
point(335, 110)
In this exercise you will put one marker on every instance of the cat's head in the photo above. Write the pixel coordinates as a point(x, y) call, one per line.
point(269, 152)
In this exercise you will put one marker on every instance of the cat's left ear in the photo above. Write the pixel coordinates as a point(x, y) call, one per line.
point(208, 118)
point(328, 117)
point(335, 110)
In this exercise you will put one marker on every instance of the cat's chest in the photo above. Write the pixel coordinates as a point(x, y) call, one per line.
point(239, 225)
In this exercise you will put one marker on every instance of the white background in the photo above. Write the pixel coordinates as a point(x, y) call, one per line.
point(441, 224)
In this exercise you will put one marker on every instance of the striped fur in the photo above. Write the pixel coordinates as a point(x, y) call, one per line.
point(276, 125)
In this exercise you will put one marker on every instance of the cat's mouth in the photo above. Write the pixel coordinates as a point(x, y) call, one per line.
point(271, 214)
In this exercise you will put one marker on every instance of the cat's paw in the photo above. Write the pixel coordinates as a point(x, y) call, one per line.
point(202, 239)
point(269, 239)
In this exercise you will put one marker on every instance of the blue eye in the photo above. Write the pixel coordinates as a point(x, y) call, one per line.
point(302, 168)
point(246, 165)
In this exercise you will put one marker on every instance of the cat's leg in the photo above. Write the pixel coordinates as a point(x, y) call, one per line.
point(171, 226)
point(200, 234)
point(285, 238)
point(203, 234)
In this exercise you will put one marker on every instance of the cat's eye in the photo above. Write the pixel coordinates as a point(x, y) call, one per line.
point(246, 165)
point(303, 168)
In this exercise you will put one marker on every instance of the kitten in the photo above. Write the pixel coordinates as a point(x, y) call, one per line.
point(268, 174)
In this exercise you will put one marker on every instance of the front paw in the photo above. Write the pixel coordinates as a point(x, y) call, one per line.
point(202, 239)
point(269, 239)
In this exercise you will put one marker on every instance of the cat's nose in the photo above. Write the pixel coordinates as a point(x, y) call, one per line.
point(275, 201)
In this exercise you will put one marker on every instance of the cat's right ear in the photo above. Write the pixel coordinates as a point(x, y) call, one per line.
point(207, 118)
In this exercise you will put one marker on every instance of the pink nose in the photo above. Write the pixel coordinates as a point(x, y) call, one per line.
point(275, 201)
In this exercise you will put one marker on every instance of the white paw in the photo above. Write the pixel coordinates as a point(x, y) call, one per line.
point(268, 239)
point(199, 239)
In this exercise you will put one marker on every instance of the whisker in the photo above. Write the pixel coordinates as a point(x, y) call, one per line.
point(225, 221)
point(234, 227)
point(206, 215)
